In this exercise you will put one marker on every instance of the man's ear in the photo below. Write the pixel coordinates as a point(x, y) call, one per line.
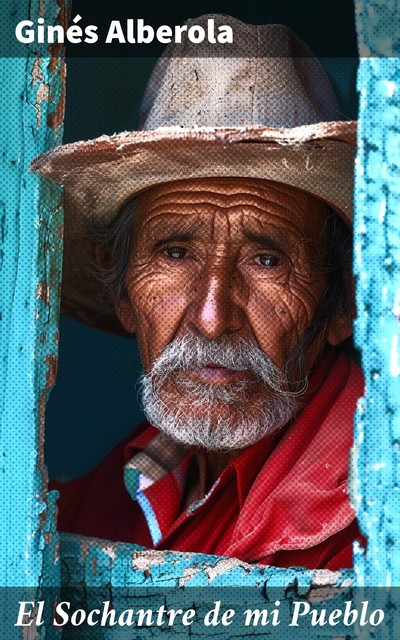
point(125, 315)
point(340, 327)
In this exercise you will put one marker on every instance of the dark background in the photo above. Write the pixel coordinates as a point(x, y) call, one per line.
point(94, 403)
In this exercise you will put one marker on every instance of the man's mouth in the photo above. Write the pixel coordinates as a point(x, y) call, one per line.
point(213, 373)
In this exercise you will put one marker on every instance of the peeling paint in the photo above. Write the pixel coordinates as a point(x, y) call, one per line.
point(57, 64)
point(188, 574)
point(110, 552)
point(56, 118)
point(43, 292)
point(377, 268)
point(36, 73)
point(51, 362)
point(224, 565)
point(43, 95)
point(180, 569)
point(28, 541)
point(143, 560)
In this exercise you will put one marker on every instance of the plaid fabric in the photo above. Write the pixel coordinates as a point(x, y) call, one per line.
point(161, 458)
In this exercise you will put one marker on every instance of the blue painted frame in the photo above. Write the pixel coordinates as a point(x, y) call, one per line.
point(377, 268)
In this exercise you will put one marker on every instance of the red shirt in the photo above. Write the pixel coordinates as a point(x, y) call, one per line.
point(283, 501)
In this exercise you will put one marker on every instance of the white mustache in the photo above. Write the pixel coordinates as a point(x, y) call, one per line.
point(193, 352)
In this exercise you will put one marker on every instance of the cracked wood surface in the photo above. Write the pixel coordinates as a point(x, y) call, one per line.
point(32, 89)
point(377, 268)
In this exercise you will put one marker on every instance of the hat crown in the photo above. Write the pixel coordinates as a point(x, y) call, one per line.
point(268, 76)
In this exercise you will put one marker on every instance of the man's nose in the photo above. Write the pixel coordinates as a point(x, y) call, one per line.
point(216, 309)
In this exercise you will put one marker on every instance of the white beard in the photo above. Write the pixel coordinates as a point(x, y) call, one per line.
point(210, 416)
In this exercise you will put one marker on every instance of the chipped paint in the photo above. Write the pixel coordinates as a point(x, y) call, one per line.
point(42, 95)
point(188, 574)
point(143, 560)
point(43, 292)
point(57, 66)
point(169, 568)
point(224, 565)
point(29, 553)
point(110, 552)
point(181, 569)
point(56, 118)
point(51, 362)
point(377, 268)
point(36, 73)
point(141, 578)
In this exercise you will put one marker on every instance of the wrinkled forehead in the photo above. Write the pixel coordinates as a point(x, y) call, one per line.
point(251, 198)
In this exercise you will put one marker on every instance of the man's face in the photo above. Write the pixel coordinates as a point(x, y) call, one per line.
point(233, 263)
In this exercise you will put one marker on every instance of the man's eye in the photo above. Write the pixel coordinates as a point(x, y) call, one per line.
point(175, 252)
point(267, 260)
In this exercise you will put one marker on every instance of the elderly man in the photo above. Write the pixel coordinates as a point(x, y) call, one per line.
point(221, 236)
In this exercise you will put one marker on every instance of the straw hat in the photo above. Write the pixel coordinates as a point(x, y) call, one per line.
point(261, 107)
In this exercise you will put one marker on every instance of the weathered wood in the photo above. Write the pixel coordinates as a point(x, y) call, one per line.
point(31, 239)
point(95, 571)
point(377, 267)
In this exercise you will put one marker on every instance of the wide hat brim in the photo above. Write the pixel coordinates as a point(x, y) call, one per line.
point(100, 175)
